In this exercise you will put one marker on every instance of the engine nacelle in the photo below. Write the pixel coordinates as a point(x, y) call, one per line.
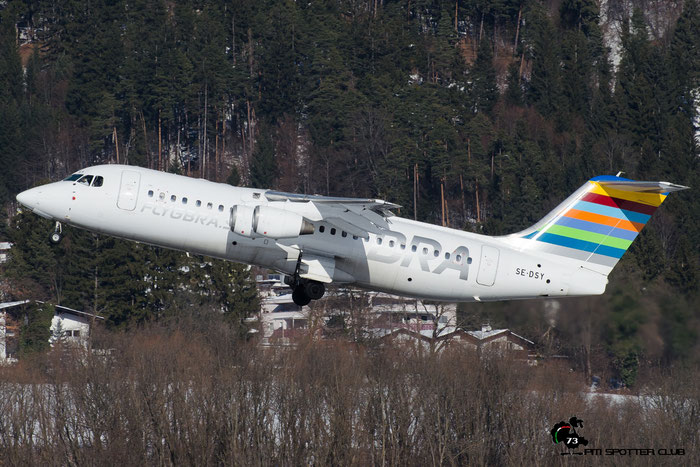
point(265, 221)
point(241, 220)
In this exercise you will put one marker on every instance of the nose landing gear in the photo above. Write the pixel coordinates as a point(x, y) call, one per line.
point(56, 235)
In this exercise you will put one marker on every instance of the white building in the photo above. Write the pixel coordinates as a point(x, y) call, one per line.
point(4, 250)
point(68, 326)
point(281, 320)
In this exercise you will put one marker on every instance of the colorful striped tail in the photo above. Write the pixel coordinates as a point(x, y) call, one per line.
point(598, 223)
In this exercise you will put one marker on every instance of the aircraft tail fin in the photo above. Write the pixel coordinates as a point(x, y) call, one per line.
point(599, 221)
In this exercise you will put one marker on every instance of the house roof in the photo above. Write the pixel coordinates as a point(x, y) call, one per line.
point(482, 336)
point(407, 332)
point(65, 309)
point(59, 308)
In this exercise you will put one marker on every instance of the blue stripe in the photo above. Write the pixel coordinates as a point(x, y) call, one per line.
point(612, 212)
point(597, 228)
point(531, 234)
point(581, 245)
point(610, 251)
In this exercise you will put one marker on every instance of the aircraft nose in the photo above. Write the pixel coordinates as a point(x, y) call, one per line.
point(30, 198)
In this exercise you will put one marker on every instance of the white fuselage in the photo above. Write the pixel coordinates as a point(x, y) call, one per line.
point(411, 258)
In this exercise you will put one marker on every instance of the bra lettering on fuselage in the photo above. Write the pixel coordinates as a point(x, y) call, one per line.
point(389, 255)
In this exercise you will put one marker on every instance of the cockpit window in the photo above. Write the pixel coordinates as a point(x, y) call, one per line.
point(98, 181)
point(72, 178)
point(85, 179)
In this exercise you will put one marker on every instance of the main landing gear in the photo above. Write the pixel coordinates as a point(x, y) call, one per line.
point(304, 290)
point(56, 235)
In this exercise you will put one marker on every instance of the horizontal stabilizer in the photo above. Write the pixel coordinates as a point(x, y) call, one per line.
point(643, 187)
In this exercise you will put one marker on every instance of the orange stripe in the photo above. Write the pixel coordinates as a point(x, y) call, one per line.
point(605, 220)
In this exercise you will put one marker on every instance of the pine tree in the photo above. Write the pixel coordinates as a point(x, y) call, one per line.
point(263, 167)
point(123, 296)
point(95, 49)
point(445, 56)
point(484, 89)
point(222, 286)
point(633, 109)
point(279, 86)
point(545, 91)
point(514, 89)
point(35, 331)
point(35, 267)
point(12, 138)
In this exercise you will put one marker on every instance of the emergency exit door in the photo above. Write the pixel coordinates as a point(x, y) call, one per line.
point(488, 266)
point(129, 190)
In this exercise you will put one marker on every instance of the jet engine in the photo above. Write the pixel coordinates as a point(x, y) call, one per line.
point(265, 221)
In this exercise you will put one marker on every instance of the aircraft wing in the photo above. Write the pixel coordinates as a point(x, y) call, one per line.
point(357, 216)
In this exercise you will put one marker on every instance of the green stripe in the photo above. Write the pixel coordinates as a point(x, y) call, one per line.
point(592, 237)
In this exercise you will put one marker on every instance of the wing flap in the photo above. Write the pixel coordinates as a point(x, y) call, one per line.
point(318, 199)
point(357, 216)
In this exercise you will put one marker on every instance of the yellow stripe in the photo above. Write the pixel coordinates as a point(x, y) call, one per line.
point(652, 199)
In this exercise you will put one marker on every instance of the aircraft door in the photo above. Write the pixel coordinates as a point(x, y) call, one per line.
point(488, 266)
point(129, 190)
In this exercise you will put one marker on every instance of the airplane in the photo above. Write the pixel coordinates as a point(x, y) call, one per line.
point(317, 240)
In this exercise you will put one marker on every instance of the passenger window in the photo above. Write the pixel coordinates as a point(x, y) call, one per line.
point(161, 196)
point(198, 203)
point(425, 251)
point(344, 234)
point(403, 246)
point(447, 256)
point(322, 229)
point(85, 180)
point(173, 198)
point(354, 237)
point(184, 200)
point(436, 253)
point(221, 208)
point(209, 205)
point(414, 248)
point(150, 193)
point(332, 231)
point(98, 181)
point(391, 243)
point(458, 258)
point(379, 240)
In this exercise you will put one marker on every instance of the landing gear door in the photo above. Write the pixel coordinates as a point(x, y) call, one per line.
point(317, 268)
point(129, 190)
point(488, 266)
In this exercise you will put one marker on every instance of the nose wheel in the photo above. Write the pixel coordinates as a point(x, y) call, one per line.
point(56, 235)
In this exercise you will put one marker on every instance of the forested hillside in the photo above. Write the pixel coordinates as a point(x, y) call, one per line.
point(477, 114)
